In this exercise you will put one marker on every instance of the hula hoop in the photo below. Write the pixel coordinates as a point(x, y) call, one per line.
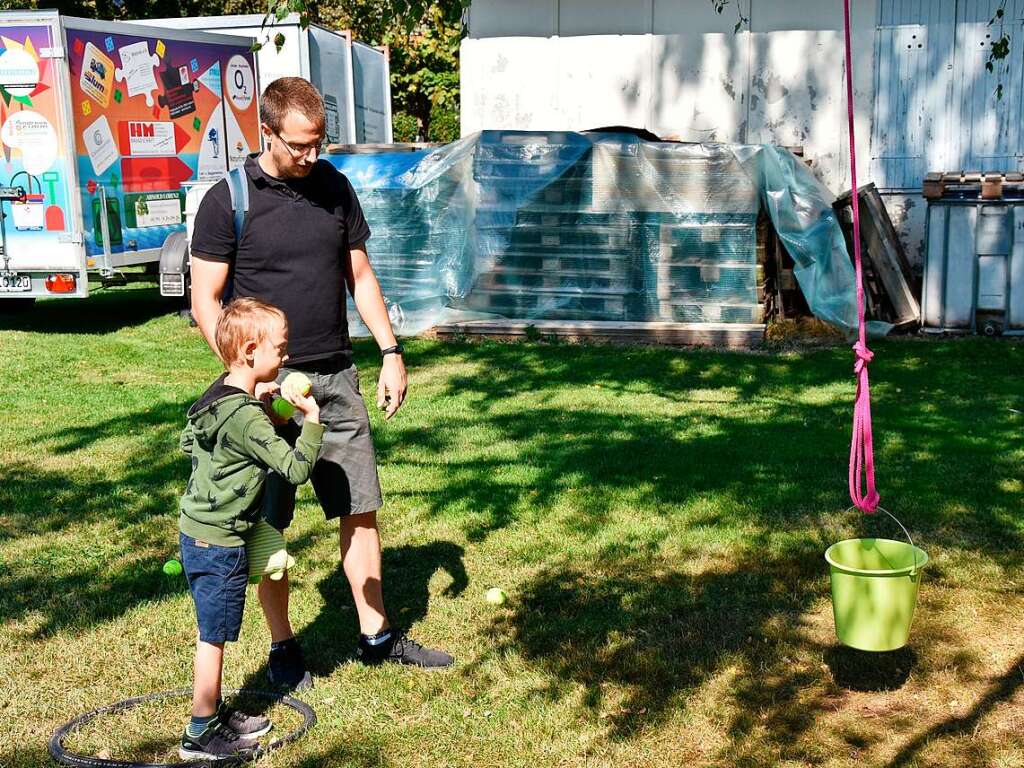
point(65, 757)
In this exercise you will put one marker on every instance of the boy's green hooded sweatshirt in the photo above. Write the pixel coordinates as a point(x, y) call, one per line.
point(232, 443)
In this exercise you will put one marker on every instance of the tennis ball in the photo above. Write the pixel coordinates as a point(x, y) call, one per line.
point(282, 407)
point(297, 382)
point(496, 596)
point(172, 567)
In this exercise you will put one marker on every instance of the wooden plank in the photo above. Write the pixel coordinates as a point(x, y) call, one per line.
point(729, 335)
point(887, 274)
point(886, 253)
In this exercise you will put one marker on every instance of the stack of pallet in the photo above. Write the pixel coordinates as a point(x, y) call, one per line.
point(542, 251)
point(702, 268)
point(614, 231)
point(418, 235)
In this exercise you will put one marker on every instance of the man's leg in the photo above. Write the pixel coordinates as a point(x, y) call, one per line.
point(360, 558)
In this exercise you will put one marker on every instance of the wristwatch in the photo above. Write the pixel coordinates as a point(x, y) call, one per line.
point(395, 350)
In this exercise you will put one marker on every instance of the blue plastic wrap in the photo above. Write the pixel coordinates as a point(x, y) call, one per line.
point(559, 225)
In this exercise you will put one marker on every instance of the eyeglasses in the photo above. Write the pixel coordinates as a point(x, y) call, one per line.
point(298, 150)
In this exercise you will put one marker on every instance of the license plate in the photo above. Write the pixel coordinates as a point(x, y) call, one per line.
point(12, 282)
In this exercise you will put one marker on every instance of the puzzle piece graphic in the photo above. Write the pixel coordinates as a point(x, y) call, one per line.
point(86, 108)
point(137, 65)
point(160, 48)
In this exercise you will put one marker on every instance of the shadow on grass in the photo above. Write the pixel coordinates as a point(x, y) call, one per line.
point(781, 454)
point(71, 588)
point(330, 639)
point(105, 311)
point(863, 671)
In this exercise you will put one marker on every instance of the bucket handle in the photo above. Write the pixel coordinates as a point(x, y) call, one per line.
point(913, 547)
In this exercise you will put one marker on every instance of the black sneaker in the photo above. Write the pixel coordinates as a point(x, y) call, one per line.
point(246, 726)
point(217, 742)
point(402, 649)
point(286, 667)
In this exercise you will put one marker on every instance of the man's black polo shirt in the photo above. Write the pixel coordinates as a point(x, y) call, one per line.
point(293, 251)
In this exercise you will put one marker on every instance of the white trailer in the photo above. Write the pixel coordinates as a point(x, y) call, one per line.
point(101, 125)
point(322, 56)
point(371, 75)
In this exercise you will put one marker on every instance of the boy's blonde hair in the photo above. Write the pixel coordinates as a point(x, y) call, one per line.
point(243, 320)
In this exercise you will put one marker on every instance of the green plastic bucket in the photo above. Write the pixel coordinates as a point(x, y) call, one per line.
point(874, 591)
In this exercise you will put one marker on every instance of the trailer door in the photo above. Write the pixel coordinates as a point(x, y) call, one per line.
point(43, 253)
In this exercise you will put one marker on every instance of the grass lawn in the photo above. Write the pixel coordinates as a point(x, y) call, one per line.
point(657, 517)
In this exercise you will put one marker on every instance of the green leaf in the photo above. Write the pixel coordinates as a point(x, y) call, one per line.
point(255, 47)
point(279, 41)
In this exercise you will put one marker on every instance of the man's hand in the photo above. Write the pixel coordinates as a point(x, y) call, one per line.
point(391, 386)
point(265, 391)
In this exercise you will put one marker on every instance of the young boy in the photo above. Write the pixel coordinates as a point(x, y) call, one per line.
point(232, 444)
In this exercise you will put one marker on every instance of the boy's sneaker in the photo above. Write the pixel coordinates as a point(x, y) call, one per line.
point(286, 667)
point(217, 742)
point(402, 649)
point(246, 726)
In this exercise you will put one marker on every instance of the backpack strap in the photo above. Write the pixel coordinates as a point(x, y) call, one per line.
point(238, 189)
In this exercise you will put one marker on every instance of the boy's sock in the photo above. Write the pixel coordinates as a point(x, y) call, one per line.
point(197, 725)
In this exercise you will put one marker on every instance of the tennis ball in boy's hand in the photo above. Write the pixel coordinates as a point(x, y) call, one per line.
point(172, 567)
point(297, 383)
point(496, 596)
point(282, 407)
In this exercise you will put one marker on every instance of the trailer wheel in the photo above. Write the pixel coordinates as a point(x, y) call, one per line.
point(15, 306)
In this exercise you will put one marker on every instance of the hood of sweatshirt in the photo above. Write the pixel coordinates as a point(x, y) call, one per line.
point(215, 407)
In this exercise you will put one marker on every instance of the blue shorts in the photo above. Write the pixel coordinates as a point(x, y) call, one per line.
point(217, 577)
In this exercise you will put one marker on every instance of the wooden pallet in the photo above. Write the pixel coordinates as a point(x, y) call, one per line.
point(551, 305)
point(552, 280)
point(986, 185)
point(707, 312)
point(889, 281)
point(521, 262)
point(727, 335)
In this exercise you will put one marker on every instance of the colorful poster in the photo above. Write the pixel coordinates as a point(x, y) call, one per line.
point(34, 135)
point(149, 138)
point(169, 121)
point(158, 209)
point(241, 83)
point(137, 65)
point(97, 75)
point(99, 142)
point(33, 153)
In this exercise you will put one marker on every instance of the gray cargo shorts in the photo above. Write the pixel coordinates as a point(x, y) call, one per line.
point(345, 476)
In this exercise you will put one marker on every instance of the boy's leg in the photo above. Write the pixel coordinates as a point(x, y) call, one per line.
point(217, 577)
point(209, 665)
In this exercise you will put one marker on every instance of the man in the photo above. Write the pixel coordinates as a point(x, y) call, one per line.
point(303, 241)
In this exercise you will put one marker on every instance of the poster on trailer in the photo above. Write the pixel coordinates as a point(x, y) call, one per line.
point(32, 138)
point(151, 114)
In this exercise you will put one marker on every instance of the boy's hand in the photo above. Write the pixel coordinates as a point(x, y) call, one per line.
point(305, 404)
point(265, 391)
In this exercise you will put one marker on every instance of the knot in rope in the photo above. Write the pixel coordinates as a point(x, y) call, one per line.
point(864, 356)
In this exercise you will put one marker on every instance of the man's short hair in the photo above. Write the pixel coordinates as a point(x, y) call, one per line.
point(291, 94)
point(243, 320)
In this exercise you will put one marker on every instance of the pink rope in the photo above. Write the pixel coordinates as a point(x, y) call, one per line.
point(862, 457)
